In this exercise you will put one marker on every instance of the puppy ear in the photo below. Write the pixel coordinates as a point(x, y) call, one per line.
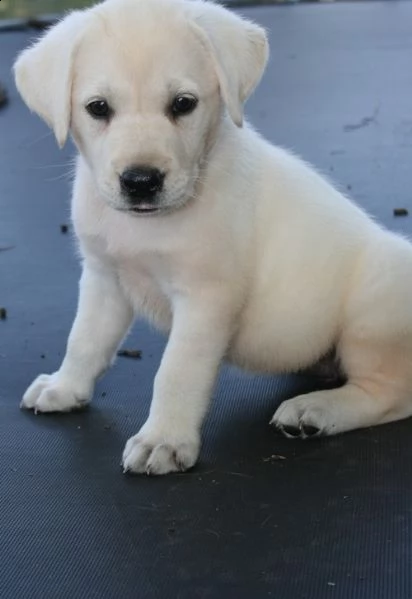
point(239, 49)
point(44, 74)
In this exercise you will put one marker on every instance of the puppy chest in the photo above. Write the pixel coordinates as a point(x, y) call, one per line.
point(147, 294)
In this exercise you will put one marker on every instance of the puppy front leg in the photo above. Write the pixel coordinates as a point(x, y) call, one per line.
point(169, 441)
point(103, 318)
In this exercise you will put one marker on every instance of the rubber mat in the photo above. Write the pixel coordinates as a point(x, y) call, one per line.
point(260, 516)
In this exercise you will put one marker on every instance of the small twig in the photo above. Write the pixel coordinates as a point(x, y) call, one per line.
point(266, 520)
point(400, 212)
point(3, 96)
point(241, 474)
point(213, 532)
point(136, 354)
point(274, 457)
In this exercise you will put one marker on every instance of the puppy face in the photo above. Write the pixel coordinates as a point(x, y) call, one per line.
point(144, 85)
point(145, 115)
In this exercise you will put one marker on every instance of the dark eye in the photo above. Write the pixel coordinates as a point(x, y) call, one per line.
point(99, 109)
point(183, 104)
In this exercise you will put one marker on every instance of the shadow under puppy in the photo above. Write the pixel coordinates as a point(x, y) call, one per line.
point(237, 248)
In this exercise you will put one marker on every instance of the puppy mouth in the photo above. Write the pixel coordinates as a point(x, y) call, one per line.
point(150, 210)
point(144, 209)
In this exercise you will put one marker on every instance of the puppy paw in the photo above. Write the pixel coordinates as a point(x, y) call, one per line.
point(153, 453)
point(48, 393)
point(306, 416)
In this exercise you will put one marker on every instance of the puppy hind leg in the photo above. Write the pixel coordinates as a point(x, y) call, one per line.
point(379, 390)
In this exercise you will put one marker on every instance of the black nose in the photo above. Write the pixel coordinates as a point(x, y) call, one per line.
point(141, 183)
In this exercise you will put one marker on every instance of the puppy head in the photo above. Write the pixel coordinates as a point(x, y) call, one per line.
point(143, 85)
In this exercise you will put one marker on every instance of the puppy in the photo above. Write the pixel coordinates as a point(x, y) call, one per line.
point(235, 247)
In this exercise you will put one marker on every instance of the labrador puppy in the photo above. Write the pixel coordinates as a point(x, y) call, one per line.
point(236, 248)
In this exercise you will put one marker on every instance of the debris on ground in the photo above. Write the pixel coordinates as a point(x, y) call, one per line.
point(365, 122)
point(274, 457)
point(3, 96)
point(400, 212)
point(3, 313)
point(136, 354)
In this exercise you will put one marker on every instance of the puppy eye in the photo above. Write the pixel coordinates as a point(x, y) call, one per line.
point(183, 104)
point(99, 109)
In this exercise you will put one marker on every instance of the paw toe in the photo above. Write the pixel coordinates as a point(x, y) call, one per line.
point(310, 431)
point(141, 455)
point(48, 394)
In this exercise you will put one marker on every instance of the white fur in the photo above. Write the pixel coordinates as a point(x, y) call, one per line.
point(253, 258)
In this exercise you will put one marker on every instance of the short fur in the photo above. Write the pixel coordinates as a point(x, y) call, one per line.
point(252, 257)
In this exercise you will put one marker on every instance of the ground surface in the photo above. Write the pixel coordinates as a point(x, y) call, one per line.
point(329, 518)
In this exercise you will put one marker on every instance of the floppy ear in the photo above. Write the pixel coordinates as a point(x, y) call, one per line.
point(239, 50)
point(44, 74)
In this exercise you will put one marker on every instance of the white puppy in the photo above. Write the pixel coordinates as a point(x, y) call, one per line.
point(236, 247)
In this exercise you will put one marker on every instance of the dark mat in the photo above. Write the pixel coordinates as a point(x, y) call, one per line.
point(260, 516)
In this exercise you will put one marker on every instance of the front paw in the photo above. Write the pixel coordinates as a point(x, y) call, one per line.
point(49, 393)
point(151, 452)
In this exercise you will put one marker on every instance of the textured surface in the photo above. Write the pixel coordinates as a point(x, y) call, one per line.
point(332, 519)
